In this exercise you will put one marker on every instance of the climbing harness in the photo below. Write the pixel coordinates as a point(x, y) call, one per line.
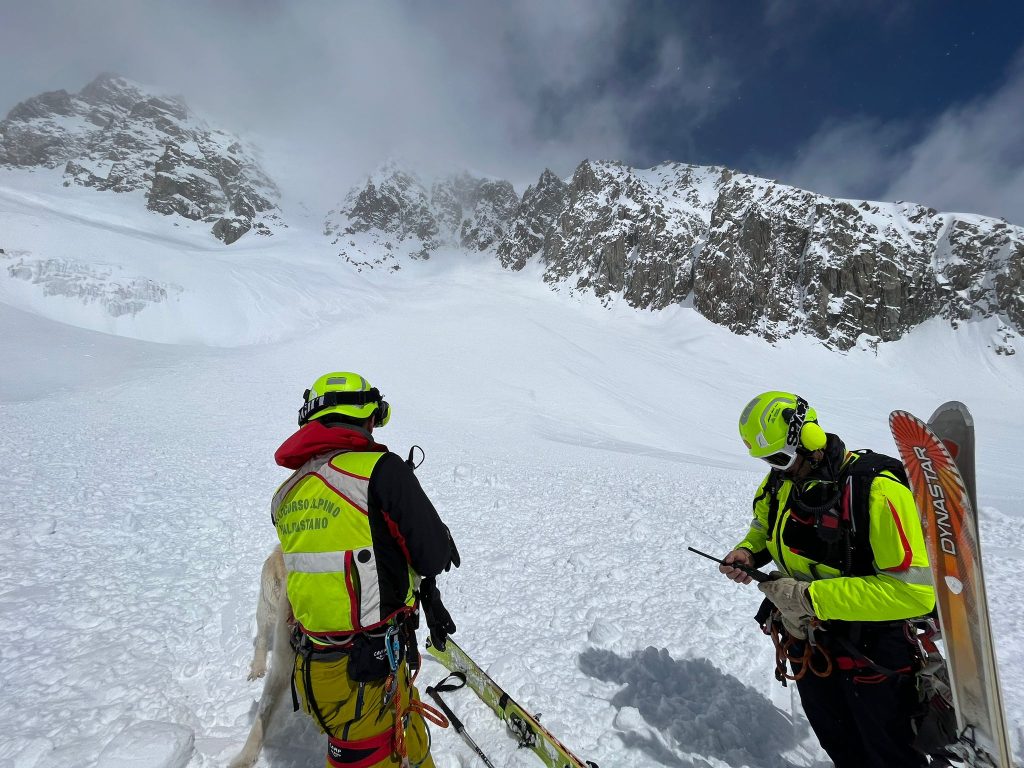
point(392, 741)
point(395, 647)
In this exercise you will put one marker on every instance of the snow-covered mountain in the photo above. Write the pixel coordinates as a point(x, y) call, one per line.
point(116, 135)
point(751, 254)
point(393, 215)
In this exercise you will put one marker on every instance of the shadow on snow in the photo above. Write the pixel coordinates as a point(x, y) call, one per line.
point(689, 706)
point(686, 708)
point(293, 741)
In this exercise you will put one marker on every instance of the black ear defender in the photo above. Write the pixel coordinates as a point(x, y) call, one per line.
point(383, 411)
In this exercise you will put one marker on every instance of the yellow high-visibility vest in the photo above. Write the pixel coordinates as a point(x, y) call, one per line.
point(322, 519)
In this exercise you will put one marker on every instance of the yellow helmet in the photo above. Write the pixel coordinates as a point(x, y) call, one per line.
point(776, 426)
point(344, 393)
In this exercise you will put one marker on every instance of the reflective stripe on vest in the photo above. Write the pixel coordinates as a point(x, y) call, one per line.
point(322, 521)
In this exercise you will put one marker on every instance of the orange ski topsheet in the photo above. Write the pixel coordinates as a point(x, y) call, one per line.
point(953, 549)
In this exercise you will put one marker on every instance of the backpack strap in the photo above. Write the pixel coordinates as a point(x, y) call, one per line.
point(856, 476)
point(771, 490)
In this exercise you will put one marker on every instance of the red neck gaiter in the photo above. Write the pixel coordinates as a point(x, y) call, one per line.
point(314, 438)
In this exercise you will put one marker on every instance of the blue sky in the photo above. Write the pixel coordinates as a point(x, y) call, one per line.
point(880, 100)
point(782, 74)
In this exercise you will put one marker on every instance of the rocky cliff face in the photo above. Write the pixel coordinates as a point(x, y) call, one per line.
point(393, 215)
point(751, 254)
point(534, 218)
point(779, 260)
point(114, 135)
point(622, 233)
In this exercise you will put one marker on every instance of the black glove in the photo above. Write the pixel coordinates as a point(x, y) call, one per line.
point(453, 555)
point(439, 621)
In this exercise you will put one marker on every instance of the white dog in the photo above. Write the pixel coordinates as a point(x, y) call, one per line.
point(273, 617)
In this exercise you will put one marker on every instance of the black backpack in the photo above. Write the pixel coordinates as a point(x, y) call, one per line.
point(831, 525)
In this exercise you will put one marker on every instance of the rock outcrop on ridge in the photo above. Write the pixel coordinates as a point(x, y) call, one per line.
point(754, 255)
point(395, 215)
point(115, 135)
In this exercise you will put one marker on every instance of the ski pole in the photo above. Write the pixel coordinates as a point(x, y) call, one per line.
point(435, 691)
point(753, 573)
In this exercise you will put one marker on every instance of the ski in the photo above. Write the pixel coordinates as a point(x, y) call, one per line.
point(944, 502)
point(953, 424)
point(523, 726)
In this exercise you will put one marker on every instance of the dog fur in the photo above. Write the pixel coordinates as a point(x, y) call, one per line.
point(273, 620)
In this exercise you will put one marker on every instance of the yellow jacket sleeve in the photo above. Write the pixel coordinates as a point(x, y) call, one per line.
point(901, 586)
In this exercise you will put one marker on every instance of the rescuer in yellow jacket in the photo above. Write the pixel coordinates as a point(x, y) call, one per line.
point(362, 544)
point(845, 537)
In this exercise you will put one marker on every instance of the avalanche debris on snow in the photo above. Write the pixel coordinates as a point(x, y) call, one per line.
point(574, 447)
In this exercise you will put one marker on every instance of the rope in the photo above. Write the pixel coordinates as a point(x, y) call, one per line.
point(801, 663)
point(425, 711)
point(400, 749)
point(428, 712)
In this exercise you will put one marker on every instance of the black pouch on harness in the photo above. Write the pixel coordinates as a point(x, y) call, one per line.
point(935, 722)
point(367, 659)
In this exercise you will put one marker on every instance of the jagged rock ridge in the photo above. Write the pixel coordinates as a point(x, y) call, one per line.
point(114, 135)
point(615, 234)
point(751, 254)
point(394, 215)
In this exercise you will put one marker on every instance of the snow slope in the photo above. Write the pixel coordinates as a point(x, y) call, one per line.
point(574, 450)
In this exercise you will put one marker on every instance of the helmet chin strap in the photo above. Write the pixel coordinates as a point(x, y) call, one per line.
point(822, 457)
point(803, 467)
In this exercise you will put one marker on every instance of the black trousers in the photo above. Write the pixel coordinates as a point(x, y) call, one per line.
point(861, 718)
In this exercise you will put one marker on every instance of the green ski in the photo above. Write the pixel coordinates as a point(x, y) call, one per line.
point(523, 726)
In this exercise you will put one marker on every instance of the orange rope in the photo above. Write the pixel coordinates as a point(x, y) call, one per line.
point(401, 751)
point(804, 661)
point(424, 710)
point(427, 712)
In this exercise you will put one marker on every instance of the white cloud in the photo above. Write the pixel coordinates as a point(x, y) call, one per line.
point(502, 88)
point(969, 159)
point(855, 159)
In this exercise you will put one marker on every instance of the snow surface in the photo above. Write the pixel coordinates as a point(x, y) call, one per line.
point(574, 449)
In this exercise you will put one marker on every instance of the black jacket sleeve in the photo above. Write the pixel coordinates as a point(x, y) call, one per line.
point(411, 518)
